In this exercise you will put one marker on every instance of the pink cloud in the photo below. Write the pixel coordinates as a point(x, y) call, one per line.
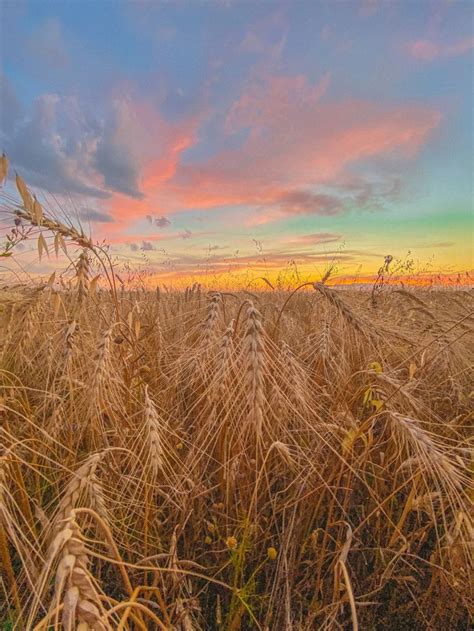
point(369, 7)
point(428, 50)
point(267, 36)
point(297, 202)
point(272, 100)
point(288, 141)
point(294, 139)
point(155, 146)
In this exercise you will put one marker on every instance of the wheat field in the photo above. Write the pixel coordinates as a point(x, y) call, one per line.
point(281, 460)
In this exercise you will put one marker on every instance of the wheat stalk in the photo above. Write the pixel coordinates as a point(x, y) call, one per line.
point(78, 485)
point(74, 585)
point(154, 431)
point(254, 362)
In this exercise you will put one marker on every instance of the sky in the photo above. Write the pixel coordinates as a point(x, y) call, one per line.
point(239, 139)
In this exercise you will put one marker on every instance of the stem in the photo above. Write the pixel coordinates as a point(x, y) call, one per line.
point(286, 302)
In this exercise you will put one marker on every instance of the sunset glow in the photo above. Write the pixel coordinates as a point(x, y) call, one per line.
point(229, 141)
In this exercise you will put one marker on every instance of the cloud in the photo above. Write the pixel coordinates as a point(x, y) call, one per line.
point(117, 154)
point(186, 265)
point(47, 45)
point(267, 103)
point(53, 147)
point(439, 244)
point(285, 148)
point(443, 244)
point(368, 8)
point(290, 141)
point(307, 203)
point(10, 107)
point(162, 222)
point(155, 149)
point(427, 50)
point(316, 238)
point(267, 37)
point(144, 246)
point(186, 234)
point(297, 202)
point(124, 152)
point(95, 216)
point(371, 195)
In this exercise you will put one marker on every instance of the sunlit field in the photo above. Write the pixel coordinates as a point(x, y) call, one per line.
point(282, 459)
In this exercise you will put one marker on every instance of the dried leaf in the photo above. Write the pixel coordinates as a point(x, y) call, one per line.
point(93, 284)
point(24, 193)
point(137, 328)
point(62, 243)
point(42, 246)
point(347, 545)
point(37, 212)
point(57, 304)
point(3, 168)
point(51, 280)
point(56, 243)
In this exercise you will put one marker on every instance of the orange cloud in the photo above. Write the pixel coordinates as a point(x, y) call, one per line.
point(293, 141)
point(287, 139)
point(156, 146)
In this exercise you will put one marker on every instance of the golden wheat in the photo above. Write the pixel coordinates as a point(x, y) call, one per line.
point(290, 459)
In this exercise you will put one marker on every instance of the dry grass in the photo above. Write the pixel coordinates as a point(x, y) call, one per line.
point(191, 461)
